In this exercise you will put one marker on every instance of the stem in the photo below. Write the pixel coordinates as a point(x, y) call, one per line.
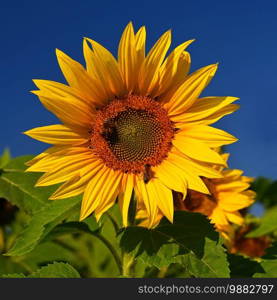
point(162, 272)
point(127, 263)
point(112, 250)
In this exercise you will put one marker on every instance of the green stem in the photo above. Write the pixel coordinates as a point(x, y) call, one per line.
point(162, 272)
point(127, 264)
point(112, 250)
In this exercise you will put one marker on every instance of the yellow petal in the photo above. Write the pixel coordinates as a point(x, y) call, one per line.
point(108, 199)
point(148, 75)
point(57, 89)
point(125, 197)
point(107, 67)
point(57, 158)
point(189, 91)
point(57, 134)
point(77, 184)
point(218, 217)
point(64, 171)
point(189, 176)
point(78, 78)
point(214, 117)
point(70, 111)
point(235, 217)
point(212, 137)
point(232, 201)
point(168, 174)
point(234, 186)
point(203, 108)
point(149, 201)
point(127, 57)
point(140, 39)
point(197, 150)
point(195, 167)
point(169, 68)
point(182, 69)
point(100, 188)
point(232, 173)
point(157, 190)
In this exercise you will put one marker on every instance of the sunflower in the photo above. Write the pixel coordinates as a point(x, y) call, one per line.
point(135, 123)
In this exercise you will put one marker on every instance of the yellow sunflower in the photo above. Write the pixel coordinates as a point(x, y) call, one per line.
point(135, 123)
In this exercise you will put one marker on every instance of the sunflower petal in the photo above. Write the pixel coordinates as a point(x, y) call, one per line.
point(196, 167)
point(78, 78)
point(57, 134)
point(140, 39)
point(197, 150)
point(182, 69)
point(65, 108)
point(77, 184)
point(64, 171)
point(168, 174)
point(232, 201)
point(109, 199)
point(157, 190)
point(125, 198)
point(189, 91)
point(188, 176)
point(235, 217)
point(218, 217)
point(48, 162)
point(101, 188)
point(203, 108)
point(148, 76)
point(149, 201)
point(213, 137)
point(169, 68)
point(126, 57)
point(108, 67)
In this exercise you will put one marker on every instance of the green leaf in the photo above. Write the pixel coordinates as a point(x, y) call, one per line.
point(242, 267)
point(268, 224)
point(41, 224)
point(18, 187)
point(212, 264)
point(269, 269)
point(74, 227)
point(54, 270)
point(14, 275)
point(5, 158)
point(190, 240)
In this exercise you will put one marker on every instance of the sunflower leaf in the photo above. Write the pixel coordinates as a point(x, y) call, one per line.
point(268, 224)
point(18, 187)
point(242, 267)
point(190, 241)
point(269, 269)
point(42, 223)
point(54, 270)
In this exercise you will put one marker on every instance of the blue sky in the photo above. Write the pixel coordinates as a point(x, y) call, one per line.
point(240, 35)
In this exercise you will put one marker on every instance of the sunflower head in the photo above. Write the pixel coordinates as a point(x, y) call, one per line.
point(131, 123)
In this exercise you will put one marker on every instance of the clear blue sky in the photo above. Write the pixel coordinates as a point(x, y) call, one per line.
point(240, 35)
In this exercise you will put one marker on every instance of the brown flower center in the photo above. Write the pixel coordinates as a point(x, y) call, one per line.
point(132, 133)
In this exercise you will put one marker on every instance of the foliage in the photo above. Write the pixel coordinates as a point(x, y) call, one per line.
point(44, 238)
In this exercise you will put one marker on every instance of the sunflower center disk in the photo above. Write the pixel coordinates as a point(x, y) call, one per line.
point(132, 132)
